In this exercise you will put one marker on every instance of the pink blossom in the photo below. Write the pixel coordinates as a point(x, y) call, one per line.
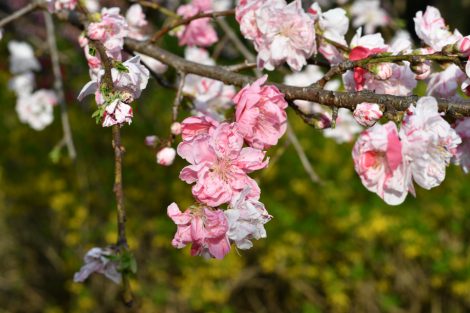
point(110, 30)
point(203, 228)
point(246, 219)
point(245, 13)
point(287, 35)
point(260, 114)
point(135, 18)
point(117, 113)
point(193, 127)
point(220, 164)
point(463, 46)
point(462, 156)
point(367, 114)
point(444, 84)
point(431, 28)
point(466, 84)
point(166, 156)
point(151, 141)
point(97, 260)
point(200, 31)
point(379, 162)
point(429, 143)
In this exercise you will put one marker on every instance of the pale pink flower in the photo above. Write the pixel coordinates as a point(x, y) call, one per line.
point(151, 141)
point(367, 114)
point(22, 84)
point(379, 162)
point(166, 156)
point(260, 114)
point(199, 32)
point(466, 84)
point(346, 127)
point(287, 36)
point(97, 260)
point(462, 156)
point(245, 13)
point(93, 59)
point(58, 5)
point(203, 228)
point(117, 113)
point(431, 28)
point(137, 22)
point(429, 142)
point(444, 84)
point(246, 218)
point(110, 30)
point(463, 46)
point(370, 14)
point(220, 164)
point(36, 109)
point(176, 128)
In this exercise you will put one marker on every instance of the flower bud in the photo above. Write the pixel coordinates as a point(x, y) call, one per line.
point(367, 114)
point(151, 141)
point(176, 128)
point(422, 70)
point(166, 156)
point(463, 46)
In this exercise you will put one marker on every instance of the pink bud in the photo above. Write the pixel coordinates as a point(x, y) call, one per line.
point(366, 114)
point(176, 128)
point(166, 156)
point(463, 46)
point(151, 141)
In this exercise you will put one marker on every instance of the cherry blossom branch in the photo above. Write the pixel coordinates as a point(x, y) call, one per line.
point(349, 100)
point(375, 59)
point(178, 97)
point(188, 20)
point(240, 67)
point(59, 86)
point(21, 12)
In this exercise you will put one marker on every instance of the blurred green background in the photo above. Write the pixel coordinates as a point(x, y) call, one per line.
point(331, 248)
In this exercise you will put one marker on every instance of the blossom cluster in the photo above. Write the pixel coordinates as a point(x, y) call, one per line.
point(388, 160)
point(34, 108)
point(129, 78)
point(219, 167)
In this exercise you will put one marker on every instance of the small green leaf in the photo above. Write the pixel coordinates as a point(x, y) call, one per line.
point(92, 51)
point(120, 67)
point(54, 155)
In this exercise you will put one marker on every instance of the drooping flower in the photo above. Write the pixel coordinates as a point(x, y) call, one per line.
point(166, 156)
point(444, 84)
point(287, 35)
point(260, 114)
point(379, 162)
point(203, 228)
point(97, 260)
point(22, 58)
point(219, 164)
point(117, 113)
point(462, 156)
point(367, 114)
point(199, 32)
point(429, 142)
point(111, 31)
point(246, 218)
point(22, 84)
point(36, 109)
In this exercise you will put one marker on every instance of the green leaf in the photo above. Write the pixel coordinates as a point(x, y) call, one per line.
point(54, 155)
point(120, 67)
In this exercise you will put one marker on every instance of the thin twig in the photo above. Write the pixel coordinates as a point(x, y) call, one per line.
point(302, 156)
point(59, 86)
point(247, 54)
point(240, 67)
point(179, 96)
point(188, 20)
point(23, 11)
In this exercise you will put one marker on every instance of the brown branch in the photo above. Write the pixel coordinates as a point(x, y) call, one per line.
point(59, 86)
point(21, 12)
point(337, 99)
point(179, 96)
point(188, 20)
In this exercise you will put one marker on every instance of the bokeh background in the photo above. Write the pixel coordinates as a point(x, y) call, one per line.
point(331, 248)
